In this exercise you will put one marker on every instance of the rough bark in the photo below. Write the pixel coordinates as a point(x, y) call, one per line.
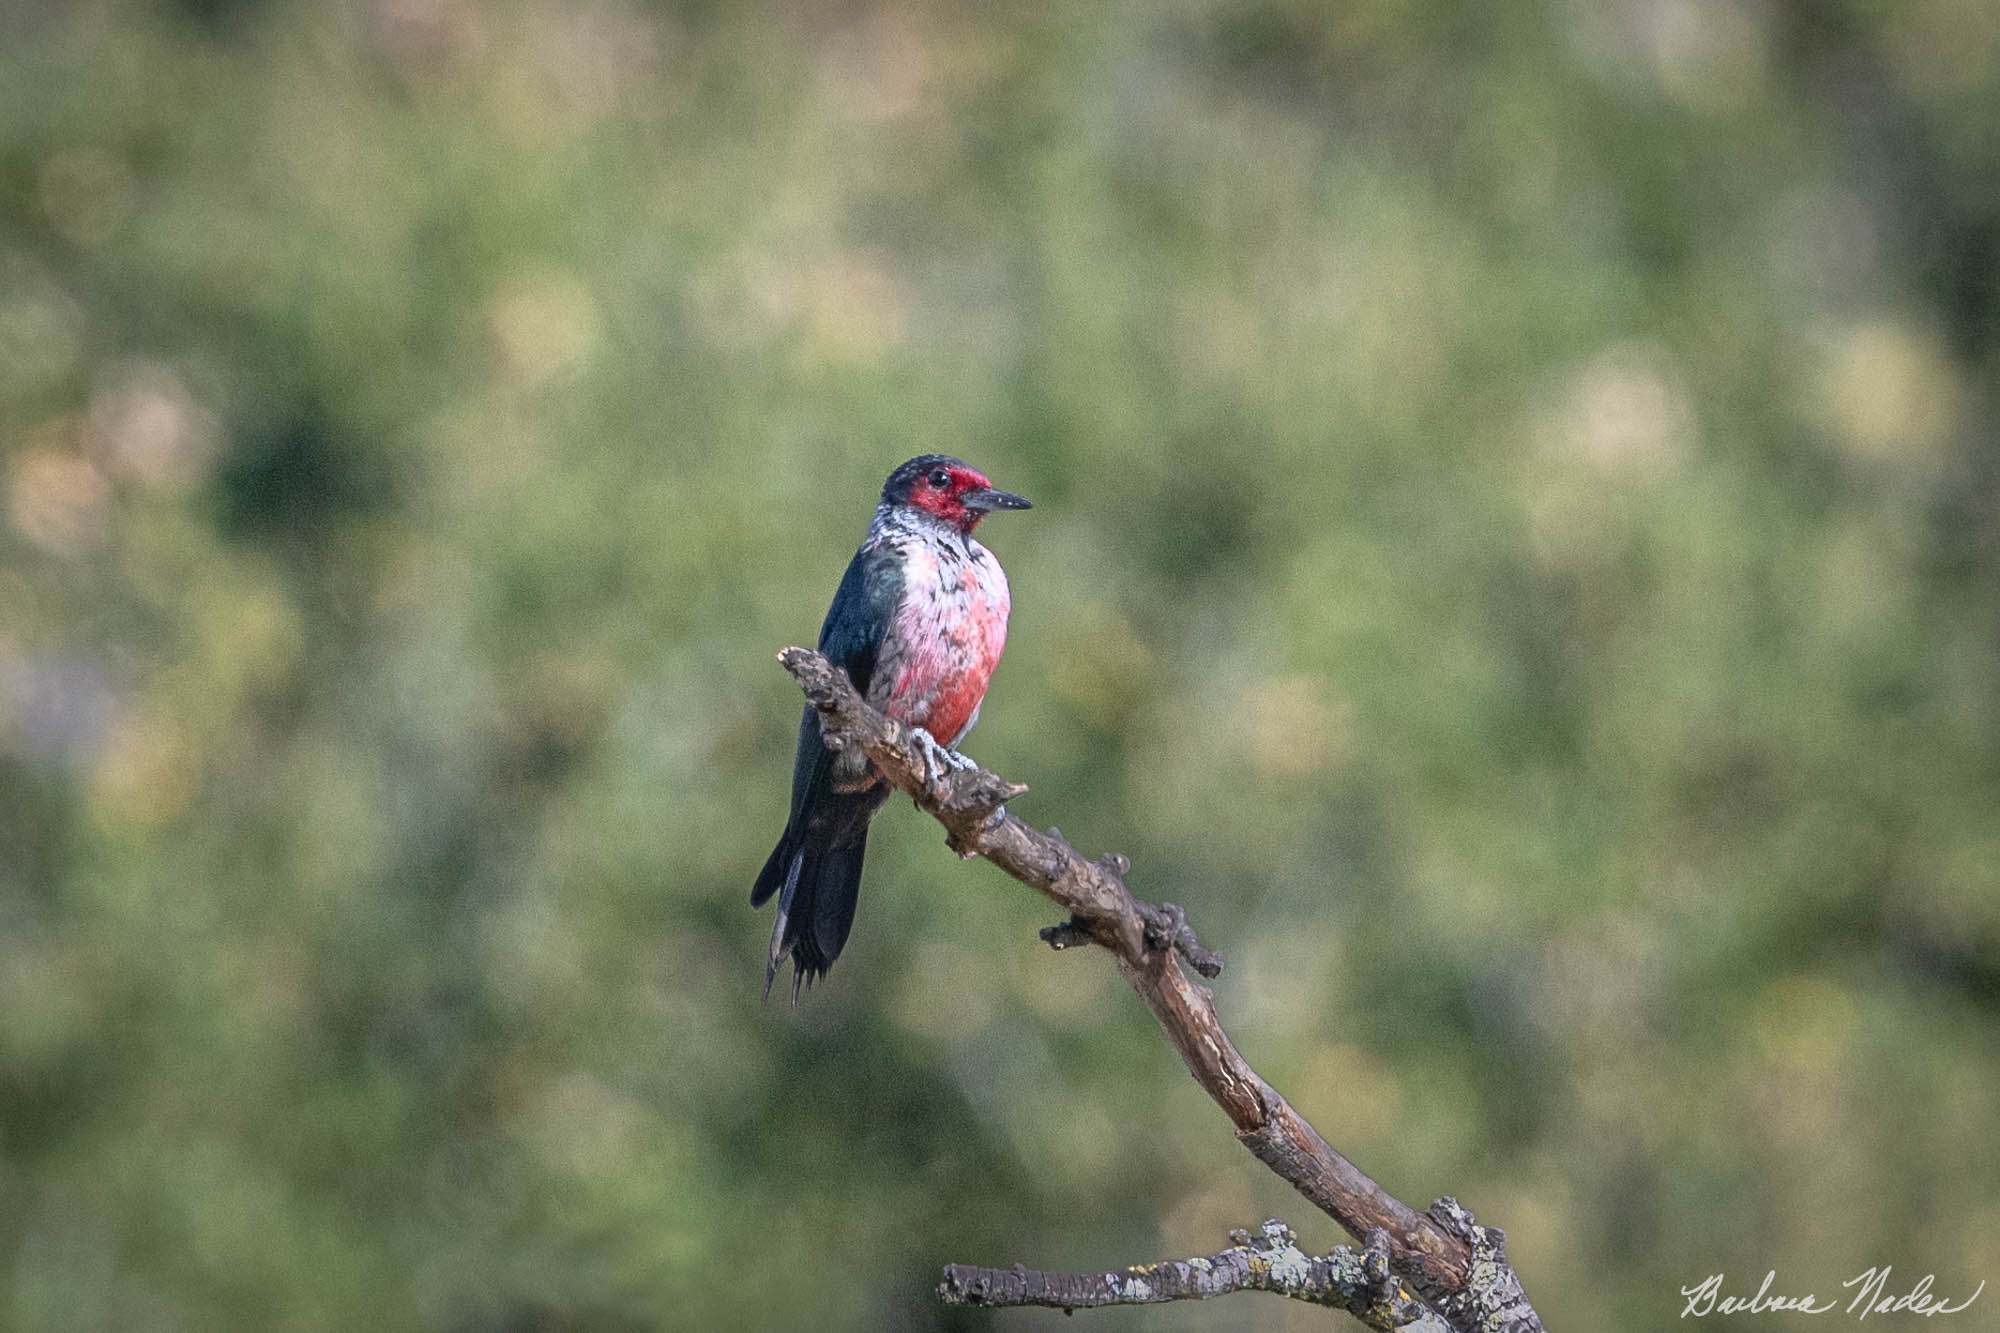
point(1357, 1281)
point(1460, 1269)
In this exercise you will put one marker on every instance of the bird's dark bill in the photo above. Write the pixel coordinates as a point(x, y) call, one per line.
point(989, 499)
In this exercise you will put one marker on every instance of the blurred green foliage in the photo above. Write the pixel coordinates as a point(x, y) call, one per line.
point(1515, 555)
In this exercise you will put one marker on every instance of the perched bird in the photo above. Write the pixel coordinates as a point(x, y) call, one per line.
point(917, 623)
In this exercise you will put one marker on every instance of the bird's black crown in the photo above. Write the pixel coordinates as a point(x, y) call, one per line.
point(904, 479)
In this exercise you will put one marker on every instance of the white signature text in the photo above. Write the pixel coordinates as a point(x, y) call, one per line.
point(1871, 1295)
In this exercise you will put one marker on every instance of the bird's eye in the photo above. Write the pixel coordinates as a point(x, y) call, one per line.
point(940, 479)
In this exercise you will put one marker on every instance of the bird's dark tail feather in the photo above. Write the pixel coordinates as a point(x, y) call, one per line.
point(772, 876)
point(817, 890)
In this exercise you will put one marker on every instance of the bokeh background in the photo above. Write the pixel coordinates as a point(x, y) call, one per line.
point(1515, 554)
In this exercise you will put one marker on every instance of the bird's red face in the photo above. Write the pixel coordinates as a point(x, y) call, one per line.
point(955, 493)
point(942, 491)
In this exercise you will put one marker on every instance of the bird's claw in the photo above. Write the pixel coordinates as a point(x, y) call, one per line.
point(939, 759)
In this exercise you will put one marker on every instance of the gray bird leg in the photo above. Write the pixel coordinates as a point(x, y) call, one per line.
point(938, 759)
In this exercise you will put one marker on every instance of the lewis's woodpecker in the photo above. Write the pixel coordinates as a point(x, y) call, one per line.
point(917, 623)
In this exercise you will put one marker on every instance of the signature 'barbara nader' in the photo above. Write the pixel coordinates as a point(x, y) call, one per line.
point(1869, 1288)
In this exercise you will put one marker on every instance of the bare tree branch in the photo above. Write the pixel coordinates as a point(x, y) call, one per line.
point(1460, 1269)
point(1357, 1281)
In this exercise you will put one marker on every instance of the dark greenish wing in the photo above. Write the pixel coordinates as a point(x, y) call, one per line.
point(863, 608)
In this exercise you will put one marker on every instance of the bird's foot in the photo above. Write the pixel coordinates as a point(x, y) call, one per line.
point(939, 759)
